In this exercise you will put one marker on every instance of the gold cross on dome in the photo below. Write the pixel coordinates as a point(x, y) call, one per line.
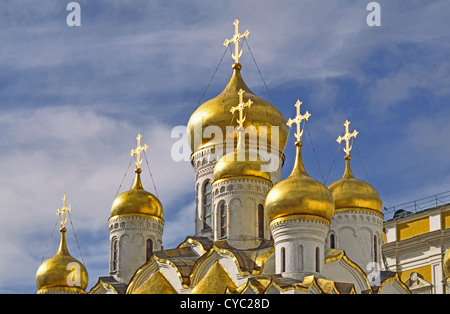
point(63, 211)
point(138, 151)
point(298, 120)
point(347, 136)
point(240, 107)
point(236, 38)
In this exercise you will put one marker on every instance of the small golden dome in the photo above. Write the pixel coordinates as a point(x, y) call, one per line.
point(446, 263)
point(137, 201)
point(299, 195)
point(350, 192)
point(241, 162)
point(62, 272)
point(216, 113)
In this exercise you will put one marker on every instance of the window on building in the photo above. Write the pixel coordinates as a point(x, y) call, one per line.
point(332, 241)
point(223, 220)
point(375, 249)
point(115, 254)
point(148, 249)
point(317, 259)
point(261, 221)
point(207, 205)
point(300, 257)
point(283, 260)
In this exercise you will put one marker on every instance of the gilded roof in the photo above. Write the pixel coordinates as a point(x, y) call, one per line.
point(350, 192)
point(216, 112)
point(156, 284)
point(216, 281)
point(250, 261)
point(62, 271)
point(263, 284)
point(182, 259)
point(299, 195)
point(137, 201)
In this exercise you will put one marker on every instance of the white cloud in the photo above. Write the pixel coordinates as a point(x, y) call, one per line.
point(51, 151)
point(144, 60)
point(389, 91)
point(179, 226)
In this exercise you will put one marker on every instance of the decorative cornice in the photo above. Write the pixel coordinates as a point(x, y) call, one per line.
point(138, 216)
point(298, 218)
point(242, 179)
point(359, 211)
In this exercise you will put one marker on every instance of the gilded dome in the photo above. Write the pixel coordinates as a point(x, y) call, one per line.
point(241, 162)
point(137, 201)
point(299, 195)
point(350, 192)
point(446, 263)
point(216, 113)
point(62, 272)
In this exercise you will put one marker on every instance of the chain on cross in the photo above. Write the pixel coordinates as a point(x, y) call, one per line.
point(63, 211)
point(347, 136)
point(298, 120)
point(236, 38)
point(138, 151)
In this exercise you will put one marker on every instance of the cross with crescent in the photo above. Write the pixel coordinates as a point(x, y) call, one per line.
point(63, 211)
point(298, 120)
point(240, 107)
point(236, 38)
point(138, 151)
point(346, 138)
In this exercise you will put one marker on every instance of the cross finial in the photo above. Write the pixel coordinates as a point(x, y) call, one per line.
point(138, 151)
point(236, 38)
point(347, 136)
point(240, 107)
point(298, 120)
point(63, 211)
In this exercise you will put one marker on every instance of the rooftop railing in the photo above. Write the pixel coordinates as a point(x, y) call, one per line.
point(418, 205)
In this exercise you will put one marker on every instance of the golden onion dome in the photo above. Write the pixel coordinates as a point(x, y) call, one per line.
point(352, 193)
point(241, 162)
point(62, 272)
point(446, 263)
point(137, 201)
point(216, 113)
point(299, 195)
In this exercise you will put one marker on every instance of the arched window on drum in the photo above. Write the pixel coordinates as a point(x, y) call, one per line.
point(207, 205)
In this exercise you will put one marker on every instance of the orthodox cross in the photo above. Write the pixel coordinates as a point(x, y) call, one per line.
point(236, 38)
point(298, 120)
point(240, 107)
point(138, 151)
point(63, 211)
point(346, 138)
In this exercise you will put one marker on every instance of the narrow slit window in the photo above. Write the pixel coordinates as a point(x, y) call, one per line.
point(149, 249)
point(283, 259)
point(207, 205)
point(223, 220)
point(115, 254)
point(261, 221)
point(332, 241)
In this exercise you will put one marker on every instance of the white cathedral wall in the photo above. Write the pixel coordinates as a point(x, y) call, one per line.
point(132, 234)
point(241, 196)
point(203, 162)
point(354, 233)
point(300, 240)
point(341, 271)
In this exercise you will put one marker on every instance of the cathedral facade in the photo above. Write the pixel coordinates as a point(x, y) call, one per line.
point(255, 233)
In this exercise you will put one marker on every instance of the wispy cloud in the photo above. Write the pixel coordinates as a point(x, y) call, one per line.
point(50, 151)
point(74, 99)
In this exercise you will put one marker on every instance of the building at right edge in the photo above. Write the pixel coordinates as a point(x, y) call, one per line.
point(417, 245)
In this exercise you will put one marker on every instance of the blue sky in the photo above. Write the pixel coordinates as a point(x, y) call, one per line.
point(73, 99)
